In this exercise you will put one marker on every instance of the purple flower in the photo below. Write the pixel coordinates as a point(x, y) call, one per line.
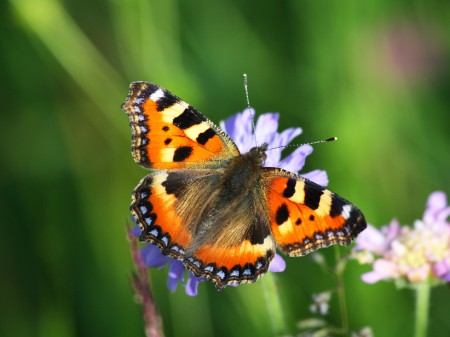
point(278, 265)
point(375, 242)
point(415, 254)
point(239, 128)
point(152, 257)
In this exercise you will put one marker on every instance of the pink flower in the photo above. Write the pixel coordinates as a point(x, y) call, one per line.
point(376, 241)
point(413, 253)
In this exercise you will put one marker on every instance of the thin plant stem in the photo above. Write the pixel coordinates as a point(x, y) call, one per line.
point(273, 303)
point(340, 290)
point(143, 291)
point(422, 303)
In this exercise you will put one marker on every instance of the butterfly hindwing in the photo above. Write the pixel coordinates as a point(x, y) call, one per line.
point(233, 244)
point(168, 133)
point(153, 206)
point(228, 243)
point(305, 216)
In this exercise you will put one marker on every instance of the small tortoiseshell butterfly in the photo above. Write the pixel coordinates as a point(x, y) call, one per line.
point(219, 211)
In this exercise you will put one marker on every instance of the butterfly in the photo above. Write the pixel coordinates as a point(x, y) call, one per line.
point(219, 211)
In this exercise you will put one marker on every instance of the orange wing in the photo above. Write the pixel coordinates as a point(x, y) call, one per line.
point(153, 206)
point(305, 216)
point(168, 133)
point(228, 245)
point(237, 246)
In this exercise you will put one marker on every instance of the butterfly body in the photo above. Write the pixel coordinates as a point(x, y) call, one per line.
point(243, 173)
point(219, 211)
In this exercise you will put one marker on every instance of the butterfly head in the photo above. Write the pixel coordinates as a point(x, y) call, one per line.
point(259, 153)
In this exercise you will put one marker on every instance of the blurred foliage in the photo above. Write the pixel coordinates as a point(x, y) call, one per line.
point(374, 73)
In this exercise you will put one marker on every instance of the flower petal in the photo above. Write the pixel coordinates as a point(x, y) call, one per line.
point(296, 160)
point(266, 127)
point(273, 157)
point(418, 275)
point(446, 277)
point(137, 230)
point(386, 267)
point(176, 274)
point(276, 145)
point(372, 277)
point(287, 136)
point(382, 269)
point(152, 256)
point(392, 231)
point(442, 269)
point(437, 201)
point(192, 285)
point(372, 240)
point(240, 129)
point(318, 176)
point(437, 209)
point(278, 264)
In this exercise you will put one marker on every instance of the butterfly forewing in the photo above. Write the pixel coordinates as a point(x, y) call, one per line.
point(153, 205)
point(168, 133)
point(305, 216)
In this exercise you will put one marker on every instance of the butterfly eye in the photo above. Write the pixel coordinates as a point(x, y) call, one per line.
point(262, 152)
point(263, 157)
point(259, 153)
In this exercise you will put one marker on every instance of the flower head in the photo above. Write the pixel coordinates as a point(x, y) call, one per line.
point(414, 254)
point(239, 128)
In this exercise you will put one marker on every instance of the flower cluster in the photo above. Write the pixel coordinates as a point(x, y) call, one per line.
point(321, 303)
point(318, 325)
point(415, 254)
point(240, 128)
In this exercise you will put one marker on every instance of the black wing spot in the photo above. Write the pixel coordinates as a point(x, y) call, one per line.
point(175, 184)
point(337, 205)
point(312, 195)
point(167, 141)
point(289, 191)
point(188, 118)
point(182, 153)
point(311, 217)
point(298, 222)
point(282, 214)
point(205, 136)
point(166, 101)
point(165, 128)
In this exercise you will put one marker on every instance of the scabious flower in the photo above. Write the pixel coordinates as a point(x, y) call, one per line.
point(415, 254)
point(239, 128)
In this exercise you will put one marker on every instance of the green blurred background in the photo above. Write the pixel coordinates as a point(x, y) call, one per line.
point(375, 73)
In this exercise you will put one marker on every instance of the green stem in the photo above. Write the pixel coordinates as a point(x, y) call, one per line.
point(340, 290)
point(273, 303)
point(422, 303)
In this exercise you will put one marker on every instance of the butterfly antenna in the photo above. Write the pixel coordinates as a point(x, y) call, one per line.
point(311, 143)
point(249, 107)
